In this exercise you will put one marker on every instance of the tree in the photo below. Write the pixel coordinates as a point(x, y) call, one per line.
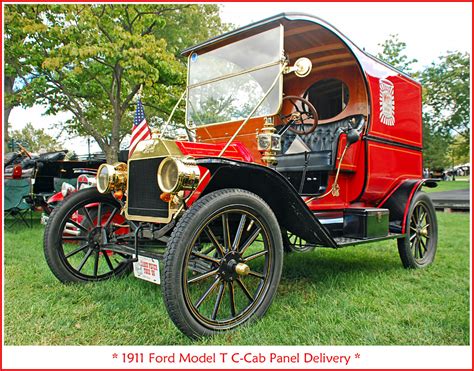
point(445, 101)
point(457, 151)
point(435, 144)
point(35, 139)
point(446, 88)
point(92, 59)
point(393, 52)
point(14, 70)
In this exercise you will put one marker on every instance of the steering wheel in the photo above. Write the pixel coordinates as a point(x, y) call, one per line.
point(303, 118)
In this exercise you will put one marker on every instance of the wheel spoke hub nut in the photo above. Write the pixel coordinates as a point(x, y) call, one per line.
point(232, 266)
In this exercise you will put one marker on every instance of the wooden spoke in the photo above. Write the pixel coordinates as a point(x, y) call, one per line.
point(422, 215)
point(76, 224)
point(88, 216)
point(203, 276)
point(423, 244)
point(217, 305)
point(256, 274)
point(208, 291)
point(208, 250)
point(213, 239)
point(84, 260)
point(232, 298)
point(245, 290)
point(99, 214)
point(205, 257)
point(420, 252)
point(255, 256)
point(111, 216)
point(238, 234)
point(226, 232)
point(96, 263)
point(107, 259)
point(75, 251)
point(250, 240)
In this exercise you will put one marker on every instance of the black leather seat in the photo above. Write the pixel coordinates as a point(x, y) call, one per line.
point(323, 146)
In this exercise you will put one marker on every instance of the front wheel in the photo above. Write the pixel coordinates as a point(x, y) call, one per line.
point(418, 248)
point(76, 236)
point(223, 263)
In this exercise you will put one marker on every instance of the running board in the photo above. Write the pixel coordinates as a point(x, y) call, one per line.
point(345, 241)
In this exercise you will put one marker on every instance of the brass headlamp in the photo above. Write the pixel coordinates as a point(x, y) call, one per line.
point(112, 177)
point(178, 174)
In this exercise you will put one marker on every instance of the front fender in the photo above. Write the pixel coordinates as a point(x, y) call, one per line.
point(291, 211)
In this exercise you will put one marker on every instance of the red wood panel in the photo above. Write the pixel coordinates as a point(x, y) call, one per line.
point(387, 165)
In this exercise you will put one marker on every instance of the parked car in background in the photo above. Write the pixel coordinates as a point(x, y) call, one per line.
point(46, 172)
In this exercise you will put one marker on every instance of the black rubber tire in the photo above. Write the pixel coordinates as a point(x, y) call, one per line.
point(420, 199)
point(53, 236)
point(182, 237)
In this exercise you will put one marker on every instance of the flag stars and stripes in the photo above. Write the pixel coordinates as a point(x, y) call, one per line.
point(140, 129)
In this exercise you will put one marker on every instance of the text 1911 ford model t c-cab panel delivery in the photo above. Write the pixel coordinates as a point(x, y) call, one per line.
point(297, 139)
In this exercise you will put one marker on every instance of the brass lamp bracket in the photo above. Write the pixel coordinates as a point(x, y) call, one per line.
point(268, 142)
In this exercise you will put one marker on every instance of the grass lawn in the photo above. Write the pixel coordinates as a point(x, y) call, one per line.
point(353, 296)
point(448, 186)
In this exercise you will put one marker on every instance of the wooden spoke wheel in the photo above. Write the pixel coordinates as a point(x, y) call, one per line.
point(223, 263)
point(418, 248)
point(294, 243)
point(77, 234)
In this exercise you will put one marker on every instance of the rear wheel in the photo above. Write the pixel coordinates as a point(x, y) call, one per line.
point(223, 263)
point(294, 243)
point(418, 248)
point(76, 236)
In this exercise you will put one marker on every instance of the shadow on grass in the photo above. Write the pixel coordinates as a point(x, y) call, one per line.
point(319, 266)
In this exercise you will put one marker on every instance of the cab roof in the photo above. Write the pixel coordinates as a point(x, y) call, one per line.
point(361, 56)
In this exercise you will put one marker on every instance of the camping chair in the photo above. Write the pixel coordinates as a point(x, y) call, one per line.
point(15, 204)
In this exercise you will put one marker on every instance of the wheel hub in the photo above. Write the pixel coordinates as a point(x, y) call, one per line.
point(231, 266)
point(95, 237)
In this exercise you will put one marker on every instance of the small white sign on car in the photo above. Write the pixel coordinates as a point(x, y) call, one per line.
point(147, 269)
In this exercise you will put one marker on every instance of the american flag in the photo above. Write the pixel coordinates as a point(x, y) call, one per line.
point(140, 130)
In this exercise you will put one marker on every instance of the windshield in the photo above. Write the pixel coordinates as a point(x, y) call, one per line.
point(225, 84)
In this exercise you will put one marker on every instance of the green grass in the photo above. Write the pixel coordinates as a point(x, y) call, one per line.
point(448, 186)
point(356, 295)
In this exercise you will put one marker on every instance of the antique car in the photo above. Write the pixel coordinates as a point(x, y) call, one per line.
point(297, 139)
point(45, 172)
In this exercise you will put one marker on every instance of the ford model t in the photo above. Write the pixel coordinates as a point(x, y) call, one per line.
point(297, 139)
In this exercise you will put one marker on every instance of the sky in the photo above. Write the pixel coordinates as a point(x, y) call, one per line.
point(428, 29)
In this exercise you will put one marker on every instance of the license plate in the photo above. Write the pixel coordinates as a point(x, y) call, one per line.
point(147, 269)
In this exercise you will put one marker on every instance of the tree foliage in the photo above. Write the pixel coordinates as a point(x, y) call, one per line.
point(446, 103)
point(35, 139)
point(14, 67)
point(446, 88)
point(393, 52)
point(92, 59)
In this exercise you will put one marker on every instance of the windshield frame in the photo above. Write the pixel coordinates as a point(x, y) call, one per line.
point(280, 62)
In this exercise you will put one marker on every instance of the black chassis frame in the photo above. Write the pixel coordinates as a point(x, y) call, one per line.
point(291, 211)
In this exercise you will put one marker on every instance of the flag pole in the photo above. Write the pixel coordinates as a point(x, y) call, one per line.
point(140, 91)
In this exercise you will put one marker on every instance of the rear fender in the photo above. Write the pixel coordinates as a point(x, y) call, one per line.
point(399, 199)
point(291, 211)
